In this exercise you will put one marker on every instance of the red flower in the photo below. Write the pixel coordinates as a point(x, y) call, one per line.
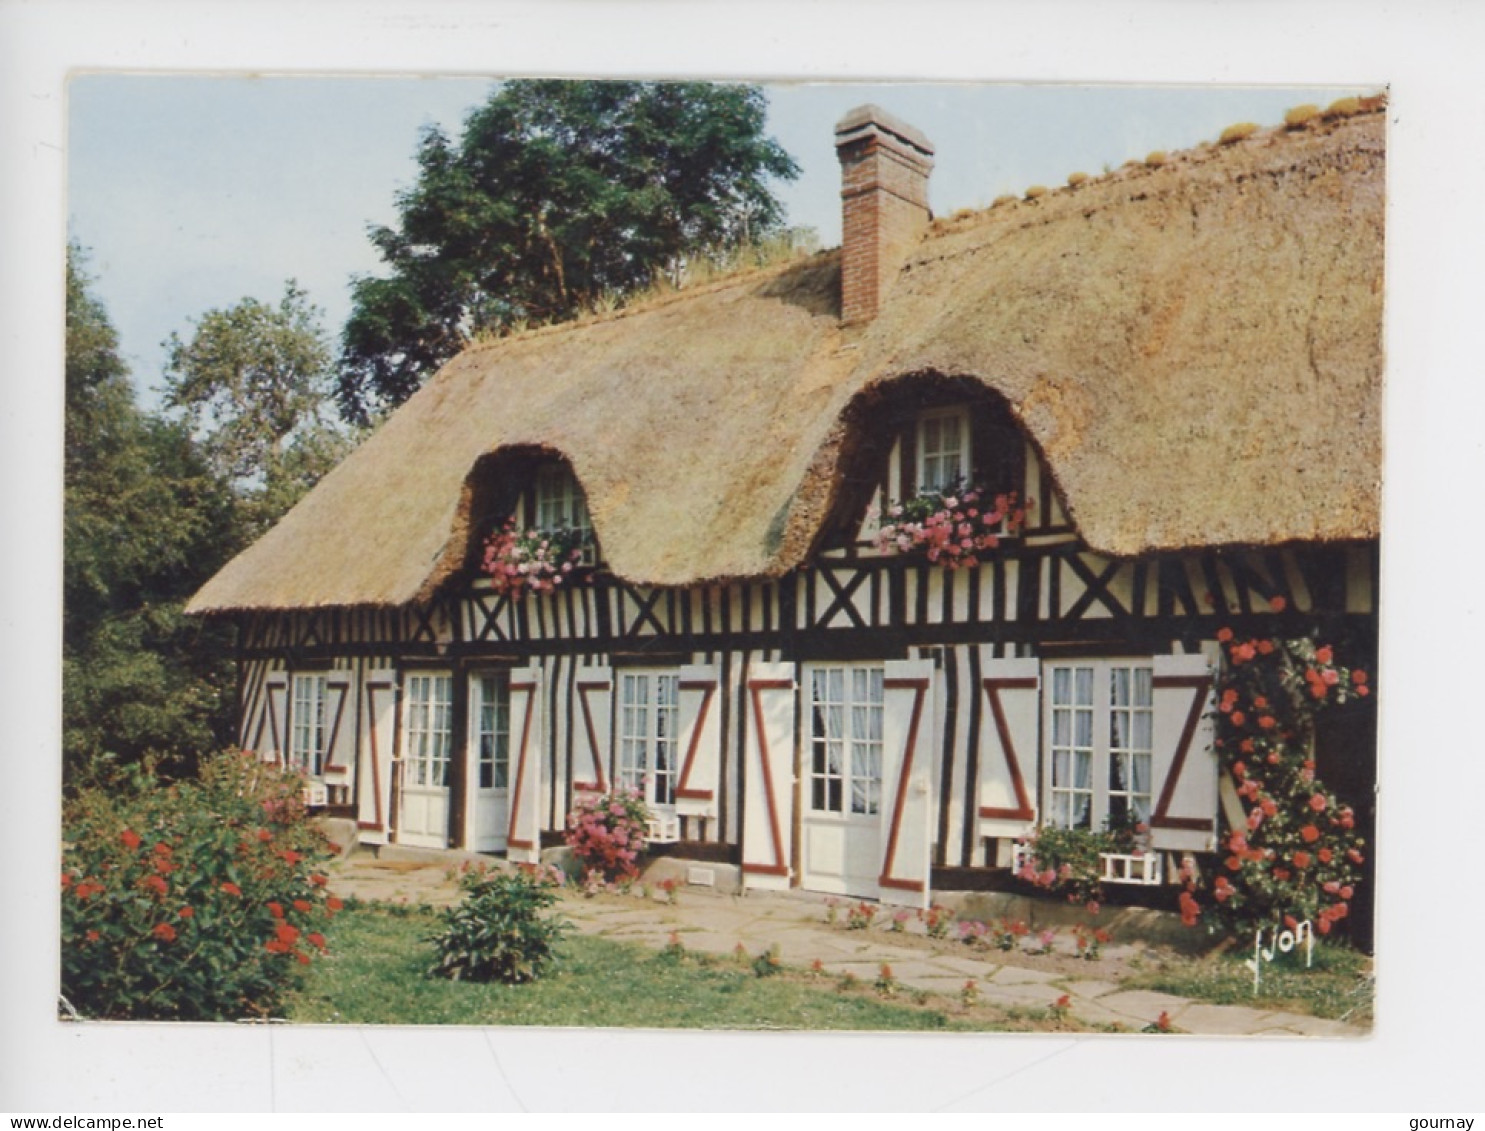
point(187, 912)
point(286, 934)
point(302, 957)
point(1239, 770)
point(1265, 647)
point(1291, 922)
point(291, 857)
point(1301, 859)
point(1358, 677)
point(66, 879)
point(1310, 834)
point(334, 904)
point(1317, 802)
point(92, 936)
point(1278, 604)
point(303, 905)
point(130, 839)
point(1323, 655)
point(1238, 718)
point(1347, 891)
point(276, 947)
point(1269, 808)
point(1224, 635)
point(1234, 864)
point(1325, 855)
point(276, 910)
point(264, 835)
point(155, 884)
point(1354, 856)
point(1189, 909)
point(1266, 722)
point(164, 931)
point(1281, 874)
point(1163, 1022)
point(317, 940)
point(319, 880)
point(1260, 702)
point(231, 889)
point(163, 849)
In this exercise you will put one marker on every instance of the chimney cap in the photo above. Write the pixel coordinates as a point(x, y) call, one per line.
point(862, 118)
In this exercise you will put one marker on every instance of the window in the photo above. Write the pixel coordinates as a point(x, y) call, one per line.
point(307, 734)
point(649, 710)
point(1100, 738)
point(559, 501)
point(846, 740)
point(429, 731)
point(943, 449)
point(492, 730)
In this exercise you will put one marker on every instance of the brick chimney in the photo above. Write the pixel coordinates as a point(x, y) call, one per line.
point(884, 167)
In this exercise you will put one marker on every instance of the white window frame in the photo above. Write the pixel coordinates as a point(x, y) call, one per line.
point(427, 729)
point(647, 734)
point(491, 730)
point(930, 472)
point(308, 732)
point(846, 716)
point(1117, 704)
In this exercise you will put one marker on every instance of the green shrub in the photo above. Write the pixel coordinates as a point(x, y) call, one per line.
point(497, 933)
point(199, 900)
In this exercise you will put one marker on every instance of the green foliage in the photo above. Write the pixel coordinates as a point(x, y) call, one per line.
point(1066, 861)
point(254, 385)
point(558, 197)
point(145, 522)
point(197, 900)
point(497, 932)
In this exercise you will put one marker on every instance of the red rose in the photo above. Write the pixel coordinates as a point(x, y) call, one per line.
point(1310, 834)
point(1224, 635)
point(319, 880)
point(286, 934)
point(1358, 677)
point(155, 884)
point(231, 889)
point(1347, 891)
point(1265, 646)
point(316, 940)
point(303, 905)
point(1238, 718)
point(93, 936)
point(264, 835)
point(1325, 855)
point(1301, 859)
point(1239, 770)
point(1234, 864)
point(1278, 604)
point(276, 910)
point(163, 849)
point(187, 912)
point(66, 879)
point(130, 839)
point(1354, 856)
point(302, 958)
point(164, 931)
point(1317, 802)
point(1266, 722)
point(334, 904)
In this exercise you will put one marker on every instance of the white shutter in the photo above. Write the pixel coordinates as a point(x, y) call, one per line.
point(768, 776)
point(271, 740)
point(699, 726)
point(1184, 765)
point(340, 728)
point(523, 841)
point(907, 808)
point(1009, 744)
point(374, 759)
point(595, 694)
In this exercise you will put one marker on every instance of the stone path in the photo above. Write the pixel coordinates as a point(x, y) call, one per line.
point(797, 925)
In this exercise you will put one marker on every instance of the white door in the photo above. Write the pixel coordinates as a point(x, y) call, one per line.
point(648, 733)
point(427, 737)
point(842, 823)
point(489, 767)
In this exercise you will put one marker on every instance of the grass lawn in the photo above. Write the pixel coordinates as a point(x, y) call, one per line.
point(375, 974)
point(1337, 986)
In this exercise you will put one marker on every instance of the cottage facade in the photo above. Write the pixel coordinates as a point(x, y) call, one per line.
point(1175, 369)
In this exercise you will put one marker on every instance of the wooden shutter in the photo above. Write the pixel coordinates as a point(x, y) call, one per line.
point(1009, 742)
point(523, 840)
point(340, 728)
point(699, 722)
point(590, 748)
point(374, 759)
point(271, 737)
point(907, 806)
point(768, 776)
point(1184, 765)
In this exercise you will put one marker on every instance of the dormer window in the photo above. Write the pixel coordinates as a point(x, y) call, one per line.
point(560, 504)
point(943, 449)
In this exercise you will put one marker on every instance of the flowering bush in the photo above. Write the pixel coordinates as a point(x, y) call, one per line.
point(199, 900)
point(518, 560)
point(1296, 856)
point(953, 528)
point(1067, 860)
point(497, 932)
point(607, 833)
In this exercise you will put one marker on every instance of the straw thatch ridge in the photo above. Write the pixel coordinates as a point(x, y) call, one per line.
point(1195, 347)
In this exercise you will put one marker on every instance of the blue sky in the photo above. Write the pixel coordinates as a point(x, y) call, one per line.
point(193, 192)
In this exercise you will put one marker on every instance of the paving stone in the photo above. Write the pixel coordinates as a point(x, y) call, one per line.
point(1222, 1020)
point(974, 967)
point(1033, 994)
point(1089, 987)
point(1015, 975)
point(1144, 1005)
point(943, 985)
point(1091, 1013)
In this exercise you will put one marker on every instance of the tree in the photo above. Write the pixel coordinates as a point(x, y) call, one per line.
point(558, 194)
point(145, 522)
point(254, 384)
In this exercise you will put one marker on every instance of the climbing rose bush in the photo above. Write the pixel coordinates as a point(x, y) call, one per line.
point(953, 528)
point(199, 900)
point(534, 560)
point(607, 833)
point(1296, 856)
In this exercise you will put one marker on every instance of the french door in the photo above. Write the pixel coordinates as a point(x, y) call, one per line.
point(427, 740)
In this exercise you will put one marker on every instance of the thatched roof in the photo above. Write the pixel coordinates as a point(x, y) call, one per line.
point(1195, 347)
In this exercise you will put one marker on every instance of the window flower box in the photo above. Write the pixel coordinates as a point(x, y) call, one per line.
point(536, 561)
point(951, 527)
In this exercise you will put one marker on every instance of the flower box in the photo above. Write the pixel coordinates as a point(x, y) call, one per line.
point(1131, 868)
point(663, 828)
point(951, 528)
